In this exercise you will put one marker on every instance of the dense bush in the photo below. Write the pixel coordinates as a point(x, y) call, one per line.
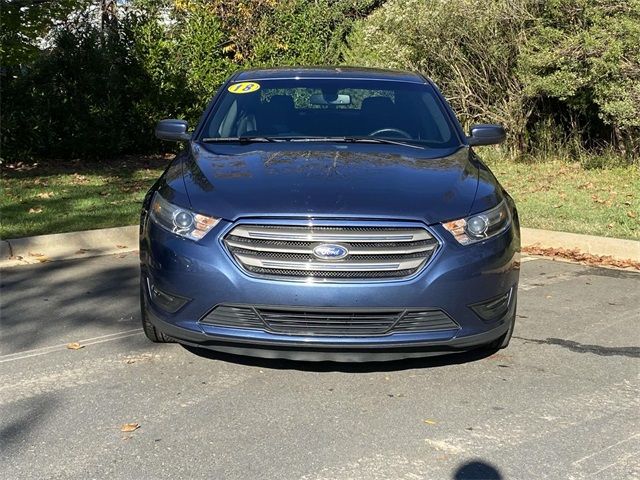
point(582, 58)
point(559, 74)
point(469, 48)
point(98, 91)
point(79, 98)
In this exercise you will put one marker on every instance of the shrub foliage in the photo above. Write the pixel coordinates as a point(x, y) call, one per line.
point(98, 90)
point(558, 73)
point(80, 81)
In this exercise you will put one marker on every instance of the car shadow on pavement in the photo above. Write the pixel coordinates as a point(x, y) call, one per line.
point(477, 470)
point(346, 367)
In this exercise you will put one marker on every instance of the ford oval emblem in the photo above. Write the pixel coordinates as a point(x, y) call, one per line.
point(329, 251)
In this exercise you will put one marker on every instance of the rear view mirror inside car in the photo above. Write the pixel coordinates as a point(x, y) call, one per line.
point(329, 99)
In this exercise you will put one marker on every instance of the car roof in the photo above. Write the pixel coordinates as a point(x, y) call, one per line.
point(358, 73)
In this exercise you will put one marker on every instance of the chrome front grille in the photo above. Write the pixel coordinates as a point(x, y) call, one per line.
point(371, 252)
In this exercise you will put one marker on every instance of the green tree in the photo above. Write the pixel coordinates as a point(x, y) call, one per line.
point(23, 23)
point(469, 48)
point(586, 54)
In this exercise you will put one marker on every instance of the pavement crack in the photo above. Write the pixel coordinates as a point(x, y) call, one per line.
point(631, 352)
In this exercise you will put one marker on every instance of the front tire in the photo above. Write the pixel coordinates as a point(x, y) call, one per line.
point(150, 331)
point(503, 341)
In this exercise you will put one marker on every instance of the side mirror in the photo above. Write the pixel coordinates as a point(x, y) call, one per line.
point(485, 134)
point(173, 130)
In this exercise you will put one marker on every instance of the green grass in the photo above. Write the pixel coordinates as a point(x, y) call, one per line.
point(68, 196)
point(71, 196)
point(566, 196)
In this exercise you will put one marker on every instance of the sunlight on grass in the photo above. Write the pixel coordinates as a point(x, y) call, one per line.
point(75, 196)
point(553, 195)
point(563, 196)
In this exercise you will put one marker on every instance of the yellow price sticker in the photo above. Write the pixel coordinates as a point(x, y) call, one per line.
point(244, 87)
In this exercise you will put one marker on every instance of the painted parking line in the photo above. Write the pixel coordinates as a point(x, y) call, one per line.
point(54, 348)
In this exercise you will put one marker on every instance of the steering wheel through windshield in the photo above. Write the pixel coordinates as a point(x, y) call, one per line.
point(397, 131)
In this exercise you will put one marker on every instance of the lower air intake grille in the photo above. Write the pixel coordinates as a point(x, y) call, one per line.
point(325, 252)
point(329, 322)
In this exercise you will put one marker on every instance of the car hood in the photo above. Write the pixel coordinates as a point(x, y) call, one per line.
point(356, 181)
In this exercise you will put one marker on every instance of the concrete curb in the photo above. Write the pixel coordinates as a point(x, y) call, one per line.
point(67, 246)
point(107, 241)
point(617, 248)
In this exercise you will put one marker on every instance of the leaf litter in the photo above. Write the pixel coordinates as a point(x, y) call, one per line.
point(581, 257)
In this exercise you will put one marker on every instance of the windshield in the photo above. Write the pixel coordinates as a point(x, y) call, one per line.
point(299, 109)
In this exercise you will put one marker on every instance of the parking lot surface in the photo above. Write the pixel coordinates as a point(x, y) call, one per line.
point(563, 401)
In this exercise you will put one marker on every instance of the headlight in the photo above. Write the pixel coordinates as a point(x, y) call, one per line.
point(179, 220)
point(481, 226)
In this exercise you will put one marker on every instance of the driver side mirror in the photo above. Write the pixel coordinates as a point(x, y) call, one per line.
point(173, 130)
point(486, 134)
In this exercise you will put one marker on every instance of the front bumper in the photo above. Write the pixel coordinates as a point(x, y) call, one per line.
point(455, 278)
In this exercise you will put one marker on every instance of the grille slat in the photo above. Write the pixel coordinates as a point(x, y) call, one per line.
point(306, 248)
point(373, 252)
point(329, 322)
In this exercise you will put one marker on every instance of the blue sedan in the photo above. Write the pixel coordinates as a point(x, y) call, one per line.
point(329, 214)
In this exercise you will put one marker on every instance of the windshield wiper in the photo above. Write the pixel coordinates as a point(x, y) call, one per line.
point(381, 140)
point(354, 140)
point(238, 139)
point(309, 139)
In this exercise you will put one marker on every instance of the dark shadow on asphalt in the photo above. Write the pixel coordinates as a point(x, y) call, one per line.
point(477, 470)
point(345, 367)
point(630, 352)
point(40, 302)
point(15, 431)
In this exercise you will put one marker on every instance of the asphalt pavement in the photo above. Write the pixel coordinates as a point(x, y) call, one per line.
point(561, 402)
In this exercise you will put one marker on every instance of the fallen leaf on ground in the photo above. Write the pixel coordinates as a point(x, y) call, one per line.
point(74, 346)
point(129, 427)
point(430, 422)
point(145, 357)
point(77, 178)
point(45, 195)
point(631, 214)
point(35, 210)
point(501, 356)
point(121, 246)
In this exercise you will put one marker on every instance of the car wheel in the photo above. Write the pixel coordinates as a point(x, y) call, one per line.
point(503, 341)
point(150, 331)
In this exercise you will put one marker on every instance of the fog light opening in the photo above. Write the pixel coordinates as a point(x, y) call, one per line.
point(166, 301)
point(494, 308)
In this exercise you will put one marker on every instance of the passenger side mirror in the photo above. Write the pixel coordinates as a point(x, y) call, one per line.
point(173, 130)
point(486, 134)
